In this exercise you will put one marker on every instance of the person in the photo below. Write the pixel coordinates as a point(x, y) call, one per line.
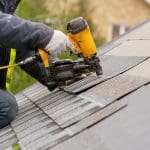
point(26, 37)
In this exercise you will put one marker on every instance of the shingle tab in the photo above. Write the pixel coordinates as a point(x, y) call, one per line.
point(33, 128)
point(7, 137)
point(84, 84)
point(66, 107)
point(54, 102)
point(5, 130)
point(53, 95)
point(39, 133)
point(8, 143)
point(48, 141)
point(98, 116)
point(19, 121)
point(79, 117)
point(121, 85)
point(29, 123)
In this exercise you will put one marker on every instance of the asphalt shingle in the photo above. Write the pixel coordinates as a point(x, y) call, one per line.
point(7, 137)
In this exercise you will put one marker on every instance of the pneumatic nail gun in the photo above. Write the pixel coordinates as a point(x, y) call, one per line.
point(65, 70)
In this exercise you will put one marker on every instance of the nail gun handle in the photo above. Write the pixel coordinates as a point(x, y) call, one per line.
point(74, 43)
point(44, 56)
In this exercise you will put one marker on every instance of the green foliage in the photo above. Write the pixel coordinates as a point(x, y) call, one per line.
point(20, 80)
point(16, 147)
point(32, 9)
point(61, 19)
point(68, 55)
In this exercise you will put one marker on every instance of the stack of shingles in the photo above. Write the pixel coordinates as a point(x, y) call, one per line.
point(50, 103)
point(65, 110)
point(32, 124)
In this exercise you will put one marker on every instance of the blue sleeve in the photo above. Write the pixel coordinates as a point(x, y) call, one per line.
point(18, 33)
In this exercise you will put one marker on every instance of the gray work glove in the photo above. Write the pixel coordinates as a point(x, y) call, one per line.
point(58, 43)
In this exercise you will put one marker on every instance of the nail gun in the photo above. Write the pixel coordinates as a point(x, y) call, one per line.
point(65, 70)
point(59, 73)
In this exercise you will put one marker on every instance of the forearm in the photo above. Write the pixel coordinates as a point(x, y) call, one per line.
point(18, 33)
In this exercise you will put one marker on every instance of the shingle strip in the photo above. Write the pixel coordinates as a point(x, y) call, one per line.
point(80, 117)
point(85, 84)
point(66, 107)
point(27, 113)
point(58, 102)
point(30, 123)
point(76, 112)
point(121, 85)
point(39, 133)
point(19, 121)
point(8, 143)
point(26, 108)
point(51, 96)
point(48, 141)
point(5, 130)
point(7, 137)
point(38, 95)
point(96, 117)
point(33, 128)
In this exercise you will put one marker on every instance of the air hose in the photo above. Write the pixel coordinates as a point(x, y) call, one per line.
point(23, 62)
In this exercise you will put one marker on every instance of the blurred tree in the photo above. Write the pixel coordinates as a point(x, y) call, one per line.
point(34, 10)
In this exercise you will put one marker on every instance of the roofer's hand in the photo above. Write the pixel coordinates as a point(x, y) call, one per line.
point(59, 43)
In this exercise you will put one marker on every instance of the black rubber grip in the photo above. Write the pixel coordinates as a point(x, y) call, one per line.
point(77, 25)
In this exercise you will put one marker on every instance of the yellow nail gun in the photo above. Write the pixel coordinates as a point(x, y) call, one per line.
point(80, 36)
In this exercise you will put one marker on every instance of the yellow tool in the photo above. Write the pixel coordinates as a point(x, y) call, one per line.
point(44, 56)
point(80, 36)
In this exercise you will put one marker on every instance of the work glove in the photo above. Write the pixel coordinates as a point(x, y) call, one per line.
point(58, 43)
